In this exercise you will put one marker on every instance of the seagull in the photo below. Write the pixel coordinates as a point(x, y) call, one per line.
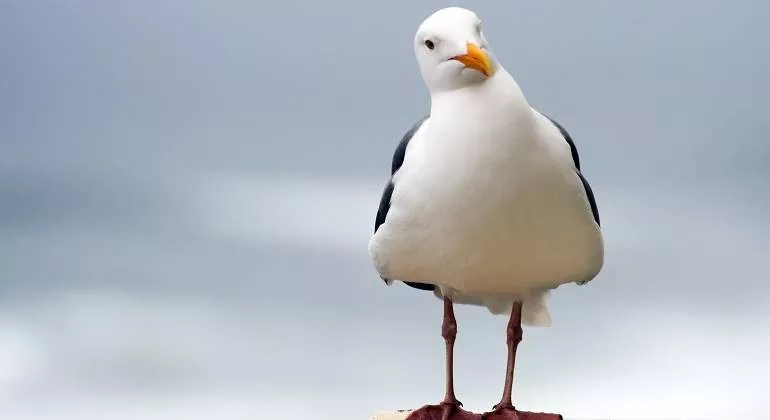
point(486, 203)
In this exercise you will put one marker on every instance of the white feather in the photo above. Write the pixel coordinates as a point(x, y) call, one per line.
point(487, 204)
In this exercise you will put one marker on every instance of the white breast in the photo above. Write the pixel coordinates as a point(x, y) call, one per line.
point(485, 204)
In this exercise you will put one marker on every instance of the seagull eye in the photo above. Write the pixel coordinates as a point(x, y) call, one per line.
point(430, 44)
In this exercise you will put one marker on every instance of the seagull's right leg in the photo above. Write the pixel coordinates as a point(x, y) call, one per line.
point(449, 332)
point(450, 407)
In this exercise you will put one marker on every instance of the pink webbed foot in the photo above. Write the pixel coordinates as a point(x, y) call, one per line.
point(443, 411)
point(510, 413)
point(502, 413)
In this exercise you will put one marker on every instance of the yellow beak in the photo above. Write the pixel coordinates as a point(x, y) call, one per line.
point(476, 59)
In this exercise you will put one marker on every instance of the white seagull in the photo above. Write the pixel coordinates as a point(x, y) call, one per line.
point(486, 204)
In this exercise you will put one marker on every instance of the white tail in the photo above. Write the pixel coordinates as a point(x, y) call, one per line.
point(534, 311)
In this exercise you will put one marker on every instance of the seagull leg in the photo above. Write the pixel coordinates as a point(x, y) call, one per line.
point(449, 332)
point(450, 407)
point(514, 334)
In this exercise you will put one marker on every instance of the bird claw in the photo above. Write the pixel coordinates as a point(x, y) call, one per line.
point(450, 407)
point(443, 411)
point(501, 412)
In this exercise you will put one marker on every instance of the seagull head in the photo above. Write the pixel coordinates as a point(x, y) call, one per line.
point(452, 51)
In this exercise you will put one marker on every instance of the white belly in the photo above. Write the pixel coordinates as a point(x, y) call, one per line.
point(502, 221)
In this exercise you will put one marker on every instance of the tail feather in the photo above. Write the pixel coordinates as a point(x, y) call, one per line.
point(534, 311)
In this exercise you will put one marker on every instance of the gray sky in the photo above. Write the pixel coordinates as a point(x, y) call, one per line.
point(187, 189)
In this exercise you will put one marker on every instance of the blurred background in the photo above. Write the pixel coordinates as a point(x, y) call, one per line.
point(187, 189)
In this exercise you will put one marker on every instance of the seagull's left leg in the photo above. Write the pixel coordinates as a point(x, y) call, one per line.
point(514, 334)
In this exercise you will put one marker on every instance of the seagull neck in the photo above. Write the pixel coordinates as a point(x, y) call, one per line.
point(498, 95)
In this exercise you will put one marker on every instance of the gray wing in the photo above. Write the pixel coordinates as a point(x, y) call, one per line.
point(398, 160)
point(583, 180)
point(387, 193)
point(576, 159)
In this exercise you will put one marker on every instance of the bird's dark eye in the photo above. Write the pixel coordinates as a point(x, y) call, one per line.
point(430, 44)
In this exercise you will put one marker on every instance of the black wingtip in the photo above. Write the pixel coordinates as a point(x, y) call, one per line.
point(421, 286)
point(591, 198)
point(568, 138)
